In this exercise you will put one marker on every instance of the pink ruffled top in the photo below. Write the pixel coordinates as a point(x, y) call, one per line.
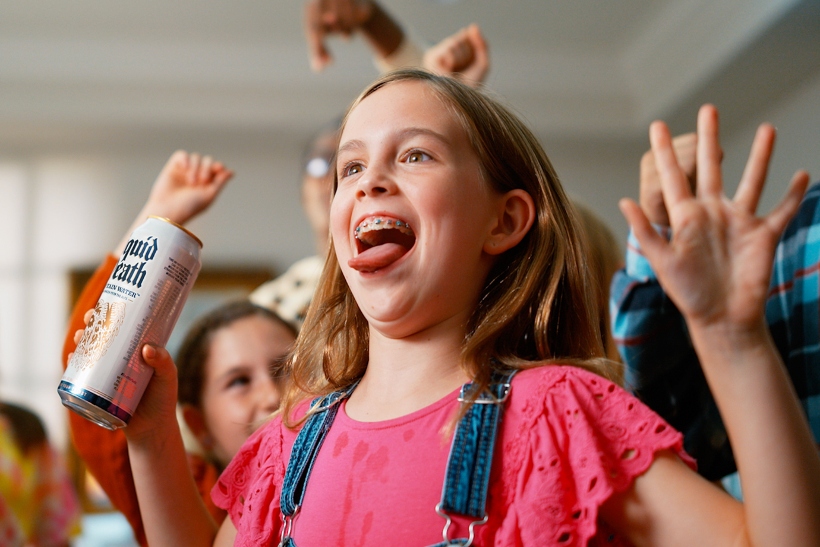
point(568, 440)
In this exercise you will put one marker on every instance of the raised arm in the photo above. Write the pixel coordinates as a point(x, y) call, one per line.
point(463, 54)
point(716, 269)
point(661, 366)
point(324, 18)
point(187, 185)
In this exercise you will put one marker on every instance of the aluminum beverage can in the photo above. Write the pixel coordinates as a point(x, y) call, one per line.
point(142, 300)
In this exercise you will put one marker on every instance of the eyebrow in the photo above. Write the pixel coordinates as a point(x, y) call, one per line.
point(404, 134)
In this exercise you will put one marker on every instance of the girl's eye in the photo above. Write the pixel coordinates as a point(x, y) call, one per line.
point(352, 169)
point(239, 381)
point(416, 156)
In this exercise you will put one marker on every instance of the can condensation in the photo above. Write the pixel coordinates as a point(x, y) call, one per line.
point(141, 303)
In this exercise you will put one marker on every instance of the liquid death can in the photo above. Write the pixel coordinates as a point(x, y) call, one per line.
point(141, 303)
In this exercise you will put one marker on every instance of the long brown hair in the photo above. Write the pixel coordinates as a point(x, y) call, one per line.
point(537, 305)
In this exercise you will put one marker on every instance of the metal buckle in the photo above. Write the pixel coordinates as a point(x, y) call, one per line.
point(484, 400)
point(317, 409)
point(449, 521)
point(287, 526)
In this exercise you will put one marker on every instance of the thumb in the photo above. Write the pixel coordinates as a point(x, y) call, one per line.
point(158, 359)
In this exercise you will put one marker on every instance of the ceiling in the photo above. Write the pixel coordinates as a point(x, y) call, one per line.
point(581, 69)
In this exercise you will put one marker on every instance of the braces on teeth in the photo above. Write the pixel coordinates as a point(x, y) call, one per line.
point(381, 224)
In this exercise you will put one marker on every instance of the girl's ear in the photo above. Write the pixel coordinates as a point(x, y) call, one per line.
point(196, 424)
point(516, 214)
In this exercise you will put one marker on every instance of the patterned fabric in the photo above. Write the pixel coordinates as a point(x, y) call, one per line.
point(662, 367)
point(37, 492)
point(568, 441)
point(289, 295)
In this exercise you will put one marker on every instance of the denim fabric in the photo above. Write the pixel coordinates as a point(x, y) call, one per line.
point(471, 454)
point(468, 466)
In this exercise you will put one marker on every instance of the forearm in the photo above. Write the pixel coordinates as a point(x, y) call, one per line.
point(382, 32)
point(172, 511)
point(662, 368)
point(778, 461)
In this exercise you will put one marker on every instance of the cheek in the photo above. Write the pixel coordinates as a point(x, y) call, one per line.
point(340, 212)
point(229, 424)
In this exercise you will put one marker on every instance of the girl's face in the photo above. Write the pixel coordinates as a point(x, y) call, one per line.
point(405, 164)
point(237, 389)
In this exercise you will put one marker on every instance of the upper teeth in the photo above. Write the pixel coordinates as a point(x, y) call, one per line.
point(379, 223)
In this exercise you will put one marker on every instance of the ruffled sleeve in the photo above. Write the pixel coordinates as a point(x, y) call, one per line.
point(576, 439)
point(248, 489)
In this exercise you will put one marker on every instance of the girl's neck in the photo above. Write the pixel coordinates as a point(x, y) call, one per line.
point(407, 374)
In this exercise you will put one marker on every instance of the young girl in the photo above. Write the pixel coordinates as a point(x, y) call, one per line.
point(457, 259)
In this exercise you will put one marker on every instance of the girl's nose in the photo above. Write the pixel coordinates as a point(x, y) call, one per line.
point(375, 181)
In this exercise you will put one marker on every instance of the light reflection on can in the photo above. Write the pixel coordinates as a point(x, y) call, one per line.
point(141, 303)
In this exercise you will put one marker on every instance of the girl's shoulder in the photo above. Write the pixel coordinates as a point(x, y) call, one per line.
point(574, 438)
point(567, 397)
point(557, 380)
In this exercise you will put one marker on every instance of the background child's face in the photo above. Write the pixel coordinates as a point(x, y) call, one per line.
point(317, 187)
point(404, 157)
point(237, 389)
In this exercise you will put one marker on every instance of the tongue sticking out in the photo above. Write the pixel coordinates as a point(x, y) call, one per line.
point(376, 258)
point(381, 243)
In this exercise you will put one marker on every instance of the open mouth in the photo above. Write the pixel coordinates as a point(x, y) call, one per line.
point(375, 231)
point(381, 241)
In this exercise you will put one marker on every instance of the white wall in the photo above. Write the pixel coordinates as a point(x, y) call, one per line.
point(797, 119)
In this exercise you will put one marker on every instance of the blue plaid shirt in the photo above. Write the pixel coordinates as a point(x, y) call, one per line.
point(661, 365)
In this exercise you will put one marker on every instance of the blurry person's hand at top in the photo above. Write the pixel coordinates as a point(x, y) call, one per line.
point(325, 18)
point(463, 55)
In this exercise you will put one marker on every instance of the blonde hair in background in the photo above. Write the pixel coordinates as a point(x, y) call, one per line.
point(538, 304)
point(605, 258)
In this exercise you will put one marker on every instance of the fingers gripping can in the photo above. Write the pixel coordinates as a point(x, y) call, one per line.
point(141, 303)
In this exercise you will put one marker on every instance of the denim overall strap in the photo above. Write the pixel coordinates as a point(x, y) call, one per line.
point(467, 477)
point(303, 456)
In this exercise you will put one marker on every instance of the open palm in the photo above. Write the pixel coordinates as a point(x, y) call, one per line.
point(717, 266)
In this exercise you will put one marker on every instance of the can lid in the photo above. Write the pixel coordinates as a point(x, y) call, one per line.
point(183, 228)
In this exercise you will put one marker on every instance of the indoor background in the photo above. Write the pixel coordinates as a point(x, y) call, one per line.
point(95, 95)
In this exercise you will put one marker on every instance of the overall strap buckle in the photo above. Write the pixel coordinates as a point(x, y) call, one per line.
point(467, 478)
point(287, 527)
point(445, 534)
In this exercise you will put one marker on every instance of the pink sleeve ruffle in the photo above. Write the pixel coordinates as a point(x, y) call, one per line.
point(248, 489)
point(581, 439)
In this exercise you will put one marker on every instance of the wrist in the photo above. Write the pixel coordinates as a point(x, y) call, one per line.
point(727, 337)
point(162, 434)
point(383, 33)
